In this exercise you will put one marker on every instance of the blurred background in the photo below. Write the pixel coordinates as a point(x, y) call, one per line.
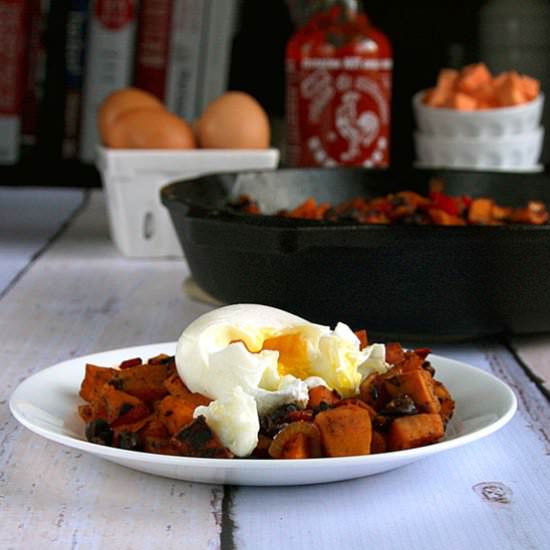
point(56, 64)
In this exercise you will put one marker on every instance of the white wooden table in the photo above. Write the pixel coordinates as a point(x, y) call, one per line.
point(65, 291)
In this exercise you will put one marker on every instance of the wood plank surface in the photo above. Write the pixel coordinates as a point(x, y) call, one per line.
point(29, 217)
point(491, 494)
point(79, 296)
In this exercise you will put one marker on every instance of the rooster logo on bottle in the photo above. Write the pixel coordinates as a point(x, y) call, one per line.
point(357, 129)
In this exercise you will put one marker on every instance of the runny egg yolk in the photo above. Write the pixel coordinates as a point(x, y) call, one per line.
point(293, 354)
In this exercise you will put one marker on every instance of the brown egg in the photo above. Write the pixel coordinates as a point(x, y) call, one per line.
point(149, 128)
point(121, 101)
point(234, 120)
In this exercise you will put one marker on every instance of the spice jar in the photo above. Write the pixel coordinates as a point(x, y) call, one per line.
point(338, 87)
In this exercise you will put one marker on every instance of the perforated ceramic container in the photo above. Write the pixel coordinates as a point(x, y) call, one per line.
point(497, 122)
point(132, 178)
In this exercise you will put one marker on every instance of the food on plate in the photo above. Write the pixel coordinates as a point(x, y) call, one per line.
point(130, 118)
point(149, 128)
point(235, 120)
point(409, 207)
point(474, 87)
point(122, 101)
point(249, 380)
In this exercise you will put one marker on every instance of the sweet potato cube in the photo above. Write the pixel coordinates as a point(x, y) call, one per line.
point(530, 86)
point(509, 91)
point(143, 381)
point(394, 353)
point(447, 79)
point(156, 439)
point(175, 386)
point(345, 431)
point(297, 447)
point(440, 217)
point(435, 97)
point(94, 379)
point(86, 412)
point(363, 338)
point(418, 385)
point(175, 413)
point(480, 211)
point(407, 432)
point(446, 401)
point(371, 390)
point(322, 394)
point(378, 443)
point(117, 407)
point(461, 102)
point(473, 77)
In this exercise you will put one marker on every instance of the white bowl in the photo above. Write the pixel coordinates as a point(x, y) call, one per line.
point(497, 122)
point(519, 152)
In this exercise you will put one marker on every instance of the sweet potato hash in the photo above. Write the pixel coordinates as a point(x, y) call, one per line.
point(409, 207)
point(145, 406)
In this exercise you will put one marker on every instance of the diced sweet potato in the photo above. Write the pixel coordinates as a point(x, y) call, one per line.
point(363, 338)
point(535, 214)
point(156, 439)
point(297, 447)
point(474, 88)
point(473, 76)
point(371, 390)
point(446, 401)
point(117, 407)
point(378, 443)
point(322, 394)
point(283, 438)
point(175, 386)
point(447, 79)
point(94, 379)
point(530, 86)
point(417, 430)
point(345, 431)
point(418, 385)
point(394, 353)
point(480, 211)
point(436, 97)
point(143, 381)
point(509, 90)
point(441, 217)
point(175, 413)
point(86, 412)
point(461, 102)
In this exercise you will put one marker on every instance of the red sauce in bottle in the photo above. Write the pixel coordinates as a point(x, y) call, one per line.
point(339, 73)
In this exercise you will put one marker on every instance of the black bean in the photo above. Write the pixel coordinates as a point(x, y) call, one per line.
point(99, 431)
point(401, 405)
point(428, 367)
point(130, 441)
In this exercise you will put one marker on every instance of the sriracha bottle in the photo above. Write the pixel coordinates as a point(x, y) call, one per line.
point(338, 87)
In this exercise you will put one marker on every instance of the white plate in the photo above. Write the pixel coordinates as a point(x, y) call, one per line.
point(46, 403)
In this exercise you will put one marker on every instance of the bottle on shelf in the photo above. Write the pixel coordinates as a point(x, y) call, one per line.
point(338, 87)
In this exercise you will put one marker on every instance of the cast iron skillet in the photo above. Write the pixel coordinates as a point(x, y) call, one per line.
point(402, 282)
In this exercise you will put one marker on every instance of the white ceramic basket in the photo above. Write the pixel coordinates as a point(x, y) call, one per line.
point(497, 122)
point(132, 178)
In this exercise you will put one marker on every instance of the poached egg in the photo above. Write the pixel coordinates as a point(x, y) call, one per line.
point(250, 359)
